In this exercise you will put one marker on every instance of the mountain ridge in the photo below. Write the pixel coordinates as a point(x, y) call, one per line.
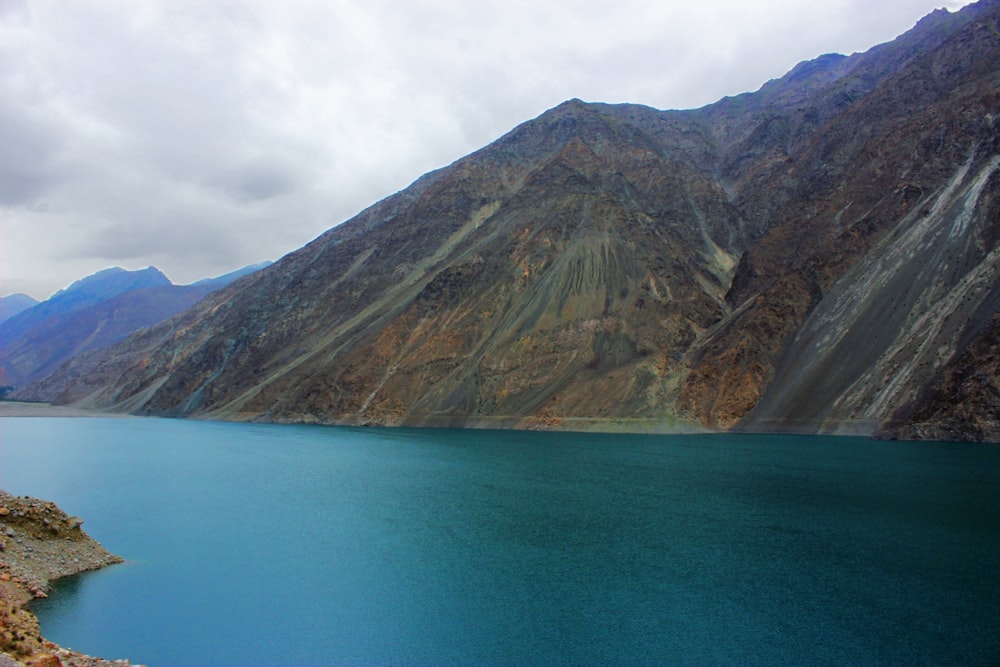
point(606, 264)
point(93, 313)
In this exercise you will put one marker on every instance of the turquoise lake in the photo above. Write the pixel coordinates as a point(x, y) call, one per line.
point(295, 545)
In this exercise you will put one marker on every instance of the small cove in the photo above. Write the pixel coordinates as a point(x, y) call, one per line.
point(262, 544)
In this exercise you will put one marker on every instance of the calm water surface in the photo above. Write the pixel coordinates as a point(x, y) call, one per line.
point(265, 545)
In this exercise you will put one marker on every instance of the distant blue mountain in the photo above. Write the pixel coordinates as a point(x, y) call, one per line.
point(88, 291)
point(92, 313)
point(14, 304)
point(233, 276)
point(107, 283)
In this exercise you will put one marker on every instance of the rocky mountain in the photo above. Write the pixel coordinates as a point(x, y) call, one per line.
point(92, 314)
point(85, 292)
point(820, 255)
point(13, 304)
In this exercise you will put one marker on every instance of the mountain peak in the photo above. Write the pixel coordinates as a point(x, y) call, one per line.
point(117, 279)
point(92, 313)
point(85, 292)
point(604, 266)
point(13, 304)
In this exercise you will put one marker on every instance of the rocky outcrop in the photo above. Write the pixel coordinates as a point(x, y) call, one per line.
point(38, 544)
point(814, 256)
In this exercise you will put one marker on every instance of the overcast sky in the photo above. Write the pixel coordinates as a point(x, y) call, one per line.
point(202, 136)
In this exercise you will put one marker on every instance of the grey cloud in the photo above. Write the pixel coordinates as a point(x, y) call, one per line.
point(157, 236)
point(21, 183)
point(31, 145)
point(257, 181)
point(199, 137)
point(15, 10)
point(186, 248)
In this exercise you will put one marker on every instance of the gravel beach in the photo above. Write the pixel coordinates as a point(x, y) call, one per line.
point(21, 409)
point(38, 544)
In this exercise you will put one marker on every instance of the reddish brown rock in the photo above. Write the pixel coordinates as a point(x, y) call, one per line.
point(43, 660)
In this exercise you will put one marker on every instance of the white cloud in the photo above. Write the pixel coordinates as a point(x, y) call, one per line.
point(201, 136)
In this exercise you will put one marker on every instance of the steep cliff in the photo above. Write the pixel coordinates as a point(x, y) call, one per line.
point(812, 256)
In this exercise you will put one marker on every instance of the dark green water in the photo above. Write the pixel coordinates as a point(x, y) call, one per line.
point(270, 545)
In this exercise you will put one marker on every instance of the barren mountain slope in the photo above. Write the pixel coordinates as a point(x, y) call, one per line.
point(604, 263)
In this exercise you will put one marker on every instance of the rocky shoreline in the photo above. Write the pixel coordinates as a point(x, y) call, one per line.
point(40, 543)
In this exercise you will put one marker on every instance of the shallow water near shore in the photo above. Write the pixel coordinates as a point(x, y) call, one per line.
point(269, 545)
